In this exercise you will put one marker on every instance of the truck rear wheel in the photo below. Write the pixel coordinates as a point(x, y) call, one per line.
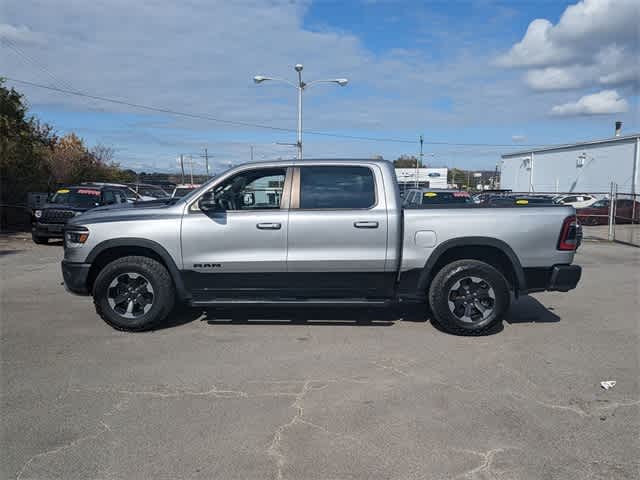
point(469, 297)
point(133, 293)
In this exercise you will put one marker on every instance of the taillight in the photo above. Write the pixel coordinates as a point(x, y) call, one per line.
point(569, 234)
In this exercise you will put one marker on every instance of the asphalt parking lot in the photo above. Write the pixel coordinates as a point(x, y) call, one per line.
point(322, 394)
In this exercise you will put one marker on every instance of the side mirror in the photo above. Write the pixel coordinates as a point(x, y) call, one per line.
point(248, 199)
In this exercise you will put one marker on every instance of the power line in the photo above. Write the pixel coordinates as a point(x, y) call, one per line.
point(57, 81)
point(257, 125)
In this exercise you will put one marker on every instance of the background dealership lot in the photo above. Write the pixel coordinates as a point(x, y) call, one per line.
point(322, 393)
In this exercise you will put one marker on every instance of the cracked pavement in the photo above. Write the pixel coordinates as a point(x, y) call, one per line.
point(320, 394)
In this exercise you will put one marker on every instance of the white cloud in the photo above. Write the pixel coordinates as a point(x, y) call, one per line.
point(555, 78)
point(601, 103)
point(596, 43)
point(18, 34)
point(518, 138)
point(536, 48)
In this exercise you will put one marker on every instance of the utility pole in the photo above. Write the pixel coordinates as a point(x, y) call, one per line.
point(182, 167)
point(191, 167)
point(206, 160)
point(251, 153)
point(419, 164)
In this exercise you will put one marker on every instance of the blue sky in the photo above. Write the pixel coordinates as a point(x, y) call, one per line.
point(486, 72)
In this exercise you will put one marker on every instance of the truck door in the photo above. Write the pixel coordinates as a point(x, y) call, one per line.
point(337, 242)
point(234, 237)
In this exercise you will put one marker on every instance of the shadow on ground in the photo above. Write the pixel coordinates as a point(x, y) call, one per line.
point(525, 310)
point(529, 310)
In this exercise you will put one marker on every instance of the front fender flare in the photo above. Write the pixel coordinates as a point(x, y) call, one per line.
point(158, 249)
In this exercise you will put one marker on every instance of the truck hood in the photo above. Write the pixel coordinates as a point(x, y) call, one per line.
point(123, 212)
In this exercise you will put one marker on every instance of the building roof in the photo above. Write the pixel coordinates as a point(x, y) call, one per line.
point(551, 148)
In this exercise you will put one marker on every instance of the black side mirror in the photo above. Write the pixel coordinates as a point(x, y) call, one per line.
point(248, 199)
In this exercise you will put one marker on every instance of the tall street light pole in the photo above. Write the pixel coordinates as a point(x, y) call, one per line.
point(301, 86)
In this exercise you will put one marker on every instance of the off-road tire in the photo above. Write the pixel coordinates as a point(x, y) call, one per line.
point(447, 277)
point(160, 280)
point(39, 240)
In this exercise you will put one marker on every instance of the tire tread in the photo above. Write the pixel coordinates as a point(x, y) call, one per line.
point(162, 278)
point(437, 296)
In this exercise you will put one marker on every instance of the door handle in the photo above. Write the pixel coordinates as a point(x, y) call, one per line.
point(269, 226)
point(365, 224)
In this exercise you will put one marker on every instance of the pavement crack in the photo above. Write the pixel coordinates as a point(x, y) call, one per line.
point(275, 449)
point(485, 466)
point(391, 368)
point(103, 429)
point(213, 391)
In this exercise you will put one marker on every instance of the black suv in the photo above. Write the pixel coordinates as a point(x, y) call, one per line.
point(48, 222)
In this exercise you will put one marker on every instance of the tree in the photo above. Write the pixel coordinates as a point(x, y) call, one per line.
point(24, 146)
point(407, 161)
point(34, 159)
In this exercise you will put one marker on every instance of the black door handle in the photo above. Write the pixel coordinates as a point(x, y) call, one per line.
point(269, 226)
point(365, 224)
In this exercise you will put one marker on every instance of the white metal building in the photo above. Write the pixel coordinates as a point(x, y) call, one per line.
point(427, 177)
point(587, 167)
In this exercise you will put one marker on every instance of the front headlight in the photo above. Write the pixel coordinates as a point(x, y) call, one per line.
point(75, 238)
point(37, 213)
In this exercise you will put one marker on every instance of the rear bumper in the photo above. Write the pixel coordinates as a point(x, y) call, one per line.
point(559, 278)
point(75, 277)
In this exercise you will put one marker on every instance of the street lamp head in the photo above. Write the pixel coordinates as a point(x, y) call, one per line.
point(259, 79)
point(298, 67)
point(342, 81)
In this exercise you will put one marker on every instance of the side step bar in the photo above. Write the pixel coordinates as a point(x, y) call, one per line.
point(343, 302)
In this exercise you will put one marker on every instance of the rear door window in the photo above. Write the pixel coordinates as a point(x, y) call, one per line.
point(337, 187)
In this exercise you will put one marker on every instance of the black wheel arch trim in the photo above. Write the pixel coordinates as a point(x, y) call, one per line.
point(158, 249)
point(426, 276)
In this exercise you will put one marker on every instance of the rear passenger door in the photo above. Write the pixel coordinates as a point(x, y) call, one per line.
point(337, 238)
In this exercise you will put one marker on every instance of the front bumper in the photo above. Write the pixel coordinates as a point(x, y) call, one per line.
point(75, 277)
point(49, 230)
point(559, 278)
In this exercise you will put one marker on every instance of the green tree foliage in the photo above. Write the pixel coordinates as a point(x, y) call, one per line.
point(406, 161)
point(34, 159)
point(25, 145)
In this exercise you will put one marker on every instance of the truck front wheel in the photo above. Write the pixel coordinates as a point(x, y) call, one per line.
point(133, 293)
point(469, 297)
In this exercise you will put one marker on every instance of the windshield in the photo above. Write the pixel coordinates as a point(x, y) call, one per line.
point(182, 191)
point(77, 197)
point(600, 204)
point(445, 198)
point(153, 192)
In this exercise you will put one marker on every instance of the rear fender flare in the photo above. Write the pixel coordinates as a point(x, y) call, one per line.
point(426, 274)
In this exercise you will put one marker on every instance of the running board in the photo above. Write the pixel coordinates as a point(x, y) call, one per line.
point(355, 302)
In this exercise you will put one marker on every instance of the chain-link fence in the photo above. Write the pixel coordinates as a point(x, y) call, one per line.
point(606, 216)
point(624, 224)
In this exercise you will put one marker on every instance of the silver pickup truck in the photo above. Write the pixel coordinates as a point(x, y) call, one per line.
point(315, 232)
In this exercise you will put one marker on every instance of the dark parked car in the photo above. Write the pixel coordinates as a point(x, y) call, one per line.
point(419, 197)
point(68, 202)
point(626, 211)
point(517, 200)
